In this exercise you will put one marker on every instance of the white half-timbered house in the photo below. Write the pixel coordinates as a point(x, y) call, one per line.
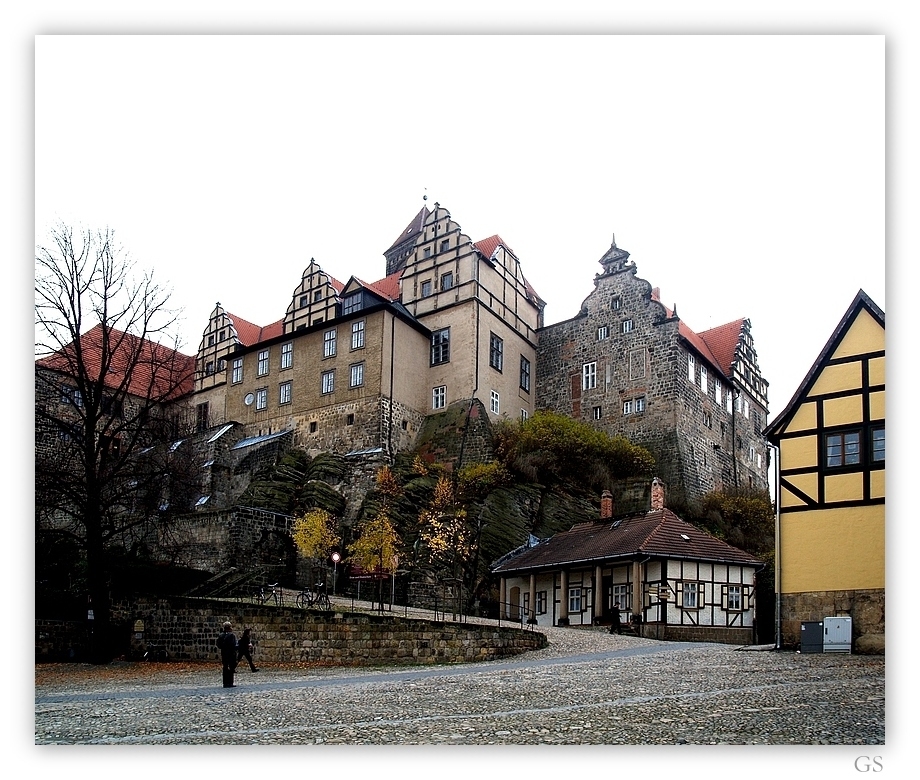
point(672, 580)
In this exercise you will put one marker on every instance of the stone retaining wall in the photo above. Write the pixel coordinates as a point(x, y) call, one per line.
point(866, 607)
point(188, 630)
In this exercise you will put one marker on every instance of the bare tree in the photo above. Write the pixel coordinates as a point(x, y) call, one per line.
point(107, 375)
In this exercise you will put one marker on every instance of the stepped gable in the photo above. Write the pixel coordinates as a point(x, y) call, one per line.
point(155, 370)
point(487, 247)
point(658, 532)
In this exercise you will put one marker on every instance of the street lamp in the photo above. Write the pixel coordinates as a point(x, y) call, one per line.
point(335, 570)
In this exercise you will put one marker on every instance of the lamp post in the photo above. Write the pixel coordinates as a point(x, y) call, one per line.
point(335, 570)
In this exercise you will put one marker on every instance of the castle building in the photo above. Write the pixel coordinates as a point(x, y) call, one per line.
point(628, 365)
point(356, 367)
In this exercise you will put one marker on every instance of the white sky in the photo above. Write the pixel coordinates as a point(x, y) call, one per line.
point(745, 175)
point(765, 177)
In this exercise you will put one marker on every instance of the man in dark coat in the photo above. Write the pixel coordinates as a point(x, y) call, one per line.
point(227, 644)
point(615, 627)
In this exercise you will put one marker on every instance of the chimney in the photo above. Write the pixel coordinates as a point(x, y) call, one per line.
point(606, 505)
point(657, 494)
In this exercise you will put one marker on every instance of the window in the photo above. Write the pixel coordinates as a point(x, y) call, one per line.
point(733, 597)
point(496, 349)
point(707, 419)
point(313, 426)
point(524, 415)
point(640, 405)
point(718, 393)
point(627, 407)
point(262, 398)
point(603, 332)
point(615, 303)
point(304, 301)
point(211, 341)
point(525, 605)
point(349, 419)
point(439, 397)
point(221, 365)
point(621, 593)
point(353, 303)
point(541, 602)
point(209, 368)
point(70, 395)
point(357, 335)
point(427, 252)
point(284, 396)
point(747, 408)
point(440, 346)
point(328, 381)
point(575, 599)
point(704, 379)
point(627, 326)
point(357, 375)
point(237, 374)
point(690, 595)
point(262, 369)
point(201, 416)
point(589, 376)
point(691, 368)
point(426, 288)
point(878, 445)
point(493, 402)
point(329, 343)
point(525, 374)
point(222, 335)
point(597, 413)
point(317, 296)
point(287, 355)
point(445, 245)
point(842, 449)
point(447, 280)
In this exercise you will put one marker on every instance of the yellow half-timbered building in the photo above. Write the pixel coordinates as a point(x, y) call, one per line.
point(830, 529)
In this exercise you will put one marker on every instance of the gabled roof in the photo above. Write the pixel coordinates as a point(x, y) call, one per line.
point(412, 229)
point(156, 371)
point(860, 302)
point(388, 287)
point(658, 532)
point(250, 334)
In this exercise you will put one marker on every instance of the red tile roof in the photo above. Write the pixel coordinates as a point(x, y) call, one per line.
point(388, 287)
point(717, 345)
point(659, 533)
point(156, 371)
point(250, 334)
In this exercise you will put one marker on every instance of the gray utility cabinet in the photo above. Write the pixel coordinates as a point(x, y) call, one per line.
point(812, 640)
point(838, 634)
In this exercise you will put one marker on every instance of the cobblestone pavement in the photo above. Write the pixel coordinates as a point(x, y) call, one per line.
point(587, 688)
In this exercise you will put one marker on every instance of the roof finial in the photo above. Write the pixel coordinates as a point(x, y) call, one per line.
point(613, 239)
point(425, 196)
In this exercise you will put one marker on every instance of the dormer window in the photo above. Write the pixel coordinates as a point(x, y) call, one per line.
point(353, 303)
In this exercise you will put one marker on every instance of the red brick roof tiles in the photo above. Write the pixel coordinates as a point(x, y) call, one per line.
point(156, 371)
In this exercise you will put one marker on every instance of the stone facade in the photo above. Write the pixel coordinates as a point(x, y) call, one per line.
point(628, 365)
point(866, 607)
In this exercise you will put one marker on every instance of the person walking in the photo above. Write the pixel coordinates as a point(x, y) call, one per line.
point(615, 626)
point(227, 644)
point(244, 649)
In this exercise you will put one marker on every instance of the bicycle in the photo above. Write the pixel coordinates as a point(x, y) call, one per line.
point(308, 599)
point(271, 592)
